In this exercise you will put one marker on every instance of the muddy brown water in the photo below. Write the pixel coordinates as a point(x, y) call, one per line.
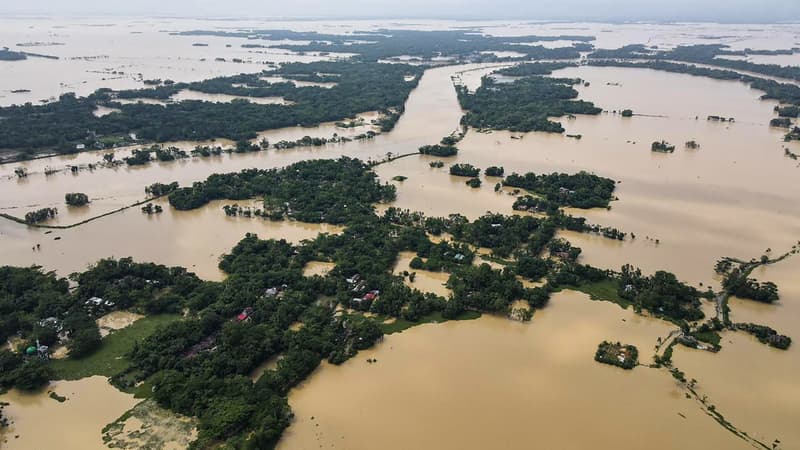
point(474, 384)
point(40, 422)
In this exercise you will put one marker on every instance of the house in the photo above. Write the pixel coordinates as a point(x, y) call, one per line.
point(80, 147)
point(94, 301)
point(459, 257)
point(353, 280)
point(244, 316)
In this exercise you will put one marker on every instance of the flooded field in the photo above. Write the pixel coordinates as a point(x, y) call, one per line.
point(91, 403)
point(472, 384)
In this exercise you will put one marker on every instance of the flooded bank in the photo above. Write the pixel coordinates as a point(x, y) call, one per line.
point(41, 422)
point(424, 280)
point(193, 239)
point(475, 384)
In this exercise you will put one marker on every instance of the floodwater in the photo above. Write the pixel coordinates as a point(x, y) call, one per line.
point(320, 268)
point(43, 423)
point(193, 239)
point(424, 280)
point(116, 320)
point(473, 384)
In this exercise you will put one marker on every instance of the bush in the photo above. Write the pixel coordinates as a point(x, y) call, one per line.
point(76, 199)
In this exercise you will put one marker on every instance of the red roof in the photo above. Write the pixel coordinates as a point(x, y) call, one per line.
point(369, 296)
point(241, 317)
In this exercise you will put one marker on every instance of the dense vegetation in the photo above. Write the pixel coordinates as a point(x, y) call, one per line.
point(766, 335)
point(464, 170)
point(332, 191)
point(662, 147)
point(441, 151)
point(360, 87)
point(426, 45)
point(581, 190)
point(40, 215)
point(76, 199)
point(616, 354)
point(523, 105)
point(495, 171)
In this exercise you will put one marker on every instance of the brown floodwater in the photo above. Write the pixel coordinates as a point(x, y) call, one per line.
point(41, 422)
point(193, 239)
point(473, 384)
point(476, 384)
point(424, 280)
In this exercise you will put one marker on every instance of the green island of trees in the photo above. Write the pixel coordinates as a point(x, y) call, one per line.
point(581, 190)
point(464, 170)
point(360, 87)
point(466, 45)
point(662, 147)
point(441, 151)
point(495, 171)
point(781, 122)
point(616, 354)
point(332, 191)
point(76, 199)
point(523, 105)
point(792, 111)
point(766, 335)
point(473, 183)
point(40, 215)
point(736, 280)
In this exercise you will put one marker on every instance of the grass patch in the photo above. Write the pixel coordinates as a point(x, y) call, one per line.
point(110, 358)
point(400, 325)
point(606, 290)
point(709, 337)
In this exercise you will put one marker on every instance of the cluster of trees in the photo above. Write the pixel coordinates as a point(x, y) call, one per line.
point(159, 189)
point(766, 335)
point(581, 190)
point(737, 283)
point(27, 296)
point(662, 147)
point(788, 111)
point(661, 294)
point(441, 151)
point(150, 209)
point(616, 354)
point(523, 105)
point(40, 215)
point(331, 191)
point(442, 256)
point(360, 87)
point(464, 170)
point(473, 183)
point(495, 171)
point(535, 68)
point(781, 122)
point(76, 199)
point(425, 45)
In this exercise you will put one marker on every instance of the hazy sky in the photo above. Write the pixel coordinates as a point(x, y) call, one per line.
point(707, 10)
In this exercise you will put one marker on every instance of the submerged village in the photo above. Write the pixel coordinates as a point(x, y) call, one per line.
point(308, 235)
